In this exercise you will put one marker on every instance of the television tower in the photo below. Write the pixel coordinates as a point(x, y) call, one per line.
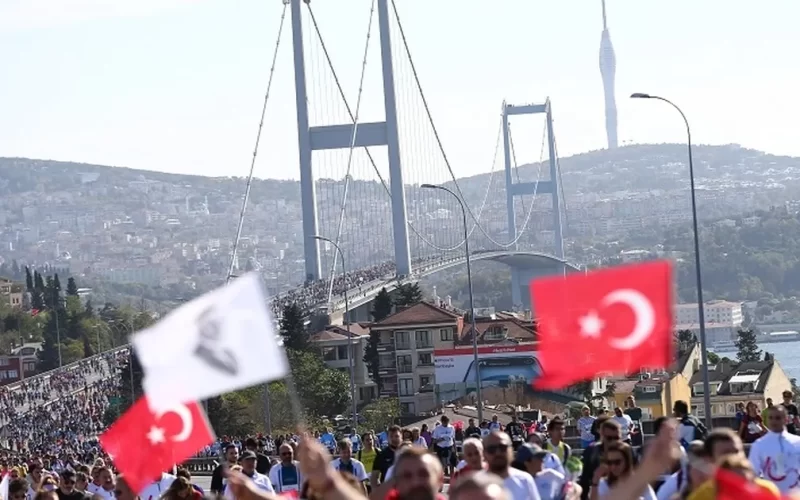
point(608, 67)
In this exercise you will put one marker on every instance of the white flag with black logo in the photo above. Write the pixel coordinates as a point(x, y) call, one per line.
point(217, 343)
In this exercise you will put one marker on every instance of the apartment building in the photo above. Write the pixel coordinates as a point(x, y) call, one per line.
point(333, 342)
point(721, 312)
point(406, 363)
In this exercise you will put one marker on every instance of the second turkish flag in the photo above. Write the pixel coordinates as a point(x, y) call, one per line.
point(615, 320)
point(144, 444)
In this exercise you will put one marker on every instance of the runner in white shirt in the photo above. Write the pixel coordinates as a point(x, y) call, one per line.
point(549, 482)
point(776, 455)
point(248, 462)
point(444, 439)
point(157, 488)
point(286, 476)
point(499, 454)
point(625, 424)
point(346, 463)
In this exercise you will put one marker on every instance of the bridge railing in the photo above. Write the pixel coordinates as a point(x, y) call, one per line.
point(68, 367)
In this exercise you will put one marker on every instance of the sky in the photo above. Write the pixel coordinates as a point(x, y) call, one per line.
point(178, 85)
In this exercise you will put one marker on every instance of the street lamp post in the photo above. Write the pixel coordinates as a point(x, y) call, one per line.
point(471, 297)
point(699, 278)
point(350, 348)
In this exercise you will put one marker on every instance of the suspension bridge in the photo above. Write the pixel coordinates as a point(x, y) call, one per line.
point(365, 182)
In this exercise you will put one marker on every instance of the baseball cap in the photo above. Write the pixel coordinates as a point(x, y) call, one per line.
point(248, 455)
point(529, 451)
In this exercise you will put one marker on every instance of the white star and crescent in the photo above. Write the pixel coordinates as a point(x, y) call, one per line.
point(157, 434)
point(592, 325)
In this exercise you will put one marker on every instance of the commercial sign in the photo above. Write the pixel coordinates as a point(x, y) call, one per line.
point(497, 365)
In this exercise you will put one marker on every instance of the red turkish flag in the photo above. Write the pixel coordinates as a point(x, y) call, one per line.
point(615, 320)
point(732, 486)
point(143, 444)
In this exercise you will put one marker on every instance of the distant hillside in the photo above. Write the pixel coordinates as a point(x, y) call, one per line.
point(175, 230)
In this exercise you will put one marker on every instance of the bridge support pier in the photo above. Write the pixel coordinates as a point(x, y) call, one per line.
point(360, 135)
point(550, 186)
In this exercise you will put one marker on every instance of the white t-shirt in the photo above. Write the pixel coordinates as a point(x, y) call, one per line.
point(157, 488)
point(447, 434)
point(625, 424)
point(776, 457)
point(521, 486)
point(420, 442)
point(603, 490)
point(550, 484)
point(670, 487)
point(359, 471)
point(283, 483)
point(260, 480)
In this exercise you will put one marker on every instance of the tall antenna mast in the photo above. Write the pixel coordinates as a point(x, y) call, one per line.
point(605, 25)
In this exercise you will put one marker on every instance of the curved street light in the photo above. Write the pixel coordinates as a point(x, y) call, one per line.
point(698, 273)
point(478, 392)
point(350, 348)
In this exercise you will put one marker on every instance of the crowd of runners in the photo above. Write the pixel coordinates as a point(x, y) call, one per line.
point(50, 449)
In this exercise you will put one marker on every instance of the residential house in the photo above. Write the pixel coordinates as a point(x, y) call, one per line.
point(406, 362)
point(507, 330)
point(10, 292)
point(333, 342)
point(656, 391)
point(732, 383)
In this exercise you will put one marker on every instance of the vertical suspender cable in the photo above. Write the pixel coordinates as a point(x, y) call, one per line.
point(255, 149)
point(352, 147)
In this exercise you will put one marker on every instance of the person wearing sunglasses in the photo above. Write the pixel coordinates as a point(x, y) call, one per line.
point(499, 456)
point(66, 488)
point(617, 465)
point(609, 432)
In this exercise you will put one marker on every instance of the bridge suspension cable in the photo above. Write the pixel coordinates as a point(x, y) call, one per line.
point(353, 118)
point(438, 138)
point(352, 147)
point(255, 149)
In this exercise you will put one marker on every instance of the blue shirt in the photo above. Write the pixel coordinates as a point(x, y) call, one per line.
point(328, 440)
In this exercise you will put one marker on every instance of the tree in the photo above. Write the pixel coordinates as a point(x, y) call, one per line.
point(747, 346)
point(72, 287)
point(293, 328)
point(381, 413)
point(686, 340)
point(229, 414)
point(408, 294)
point(37, 295)
point(131, 375)
point(88, 311)
point(322, 390)
point(48, 355)
point(594, 401)
point(56, 283)
point(87, 347)
point(713, 358)
point(372, 357)
point(28, 279)
point(382, 305)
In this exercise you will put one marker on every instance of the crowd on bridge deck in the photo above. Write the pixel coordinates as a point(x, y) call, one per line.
point(316, 292)
point(61, 413)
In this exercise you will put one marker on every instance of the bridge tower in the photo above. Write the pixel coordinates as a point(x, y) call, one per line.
point(383, 133)
point(550, 187)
